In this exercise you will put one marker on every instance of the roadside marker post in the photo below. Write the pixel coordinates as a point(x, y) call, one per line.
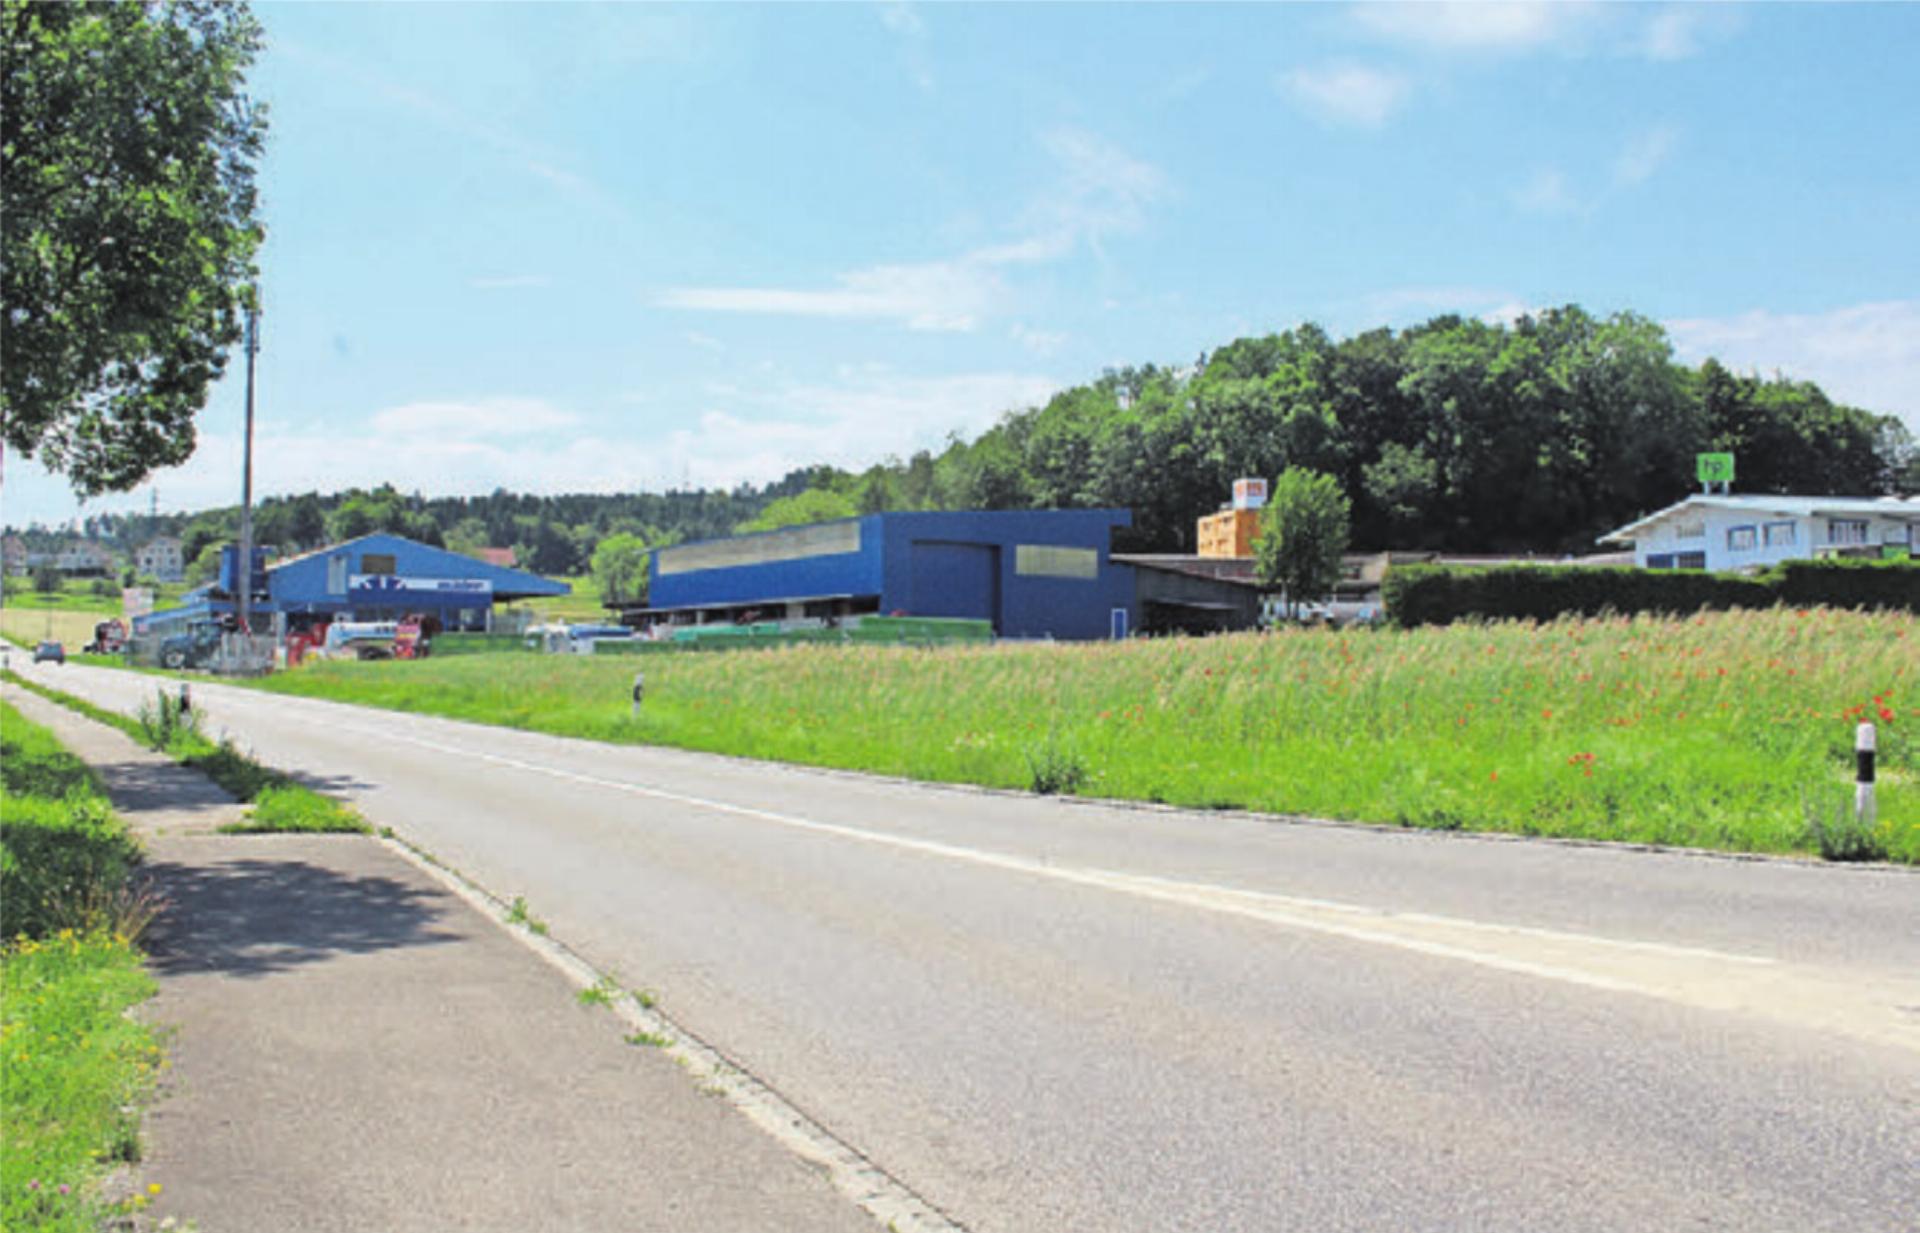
point(1865, 744)
point(639, 691)
point(186, 702)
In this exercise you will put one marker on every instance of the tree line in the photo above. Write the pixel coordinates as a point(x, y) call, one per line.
point(1537, 435)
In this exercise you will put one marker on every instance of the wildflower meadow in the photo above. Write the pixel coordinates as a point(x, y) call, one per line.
point(1729, 730)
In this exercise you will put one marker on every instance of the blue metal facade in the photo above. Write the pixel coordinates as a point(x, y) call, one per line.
point(378, 577)
point(993, 565)
point(383, 576)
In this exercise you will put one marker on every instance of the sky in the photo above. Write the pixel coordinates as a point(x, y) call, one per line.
point(620, 247)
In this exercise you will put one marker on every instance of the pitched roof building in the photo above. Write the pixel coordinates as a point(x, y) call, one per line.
point(1754, 530)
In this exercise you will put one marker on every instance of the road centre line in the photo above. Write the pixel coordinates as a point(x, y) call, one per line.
point(1280, 909)
point(1693, 976)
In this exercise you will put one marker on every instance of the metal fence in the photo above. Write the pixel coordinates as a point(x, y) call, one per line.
point(236, 654)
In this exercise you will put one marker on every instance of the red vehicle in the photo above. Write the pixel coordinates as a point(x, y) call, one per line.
point(413, 638)
point(109, 638)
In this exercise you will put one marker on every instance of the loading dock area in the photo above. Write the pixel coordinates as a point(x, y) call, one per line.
point(1030, 573)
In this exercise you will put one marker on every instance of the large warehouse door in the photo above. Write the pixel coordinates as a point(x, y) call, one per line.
point(956, 580)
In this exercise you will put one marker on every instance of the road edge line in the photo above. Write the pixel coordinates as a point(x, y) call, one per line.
point(884, 1197)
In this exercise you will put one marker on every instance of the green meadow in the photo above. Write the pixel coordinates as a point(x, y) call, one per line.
point(1726, 730)
point(74, 1064)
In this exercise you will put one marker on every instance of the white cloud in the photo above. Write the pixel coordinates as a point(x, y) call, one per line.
point(1645, 154)
point(1453, 27)
point(905, 23)
point(1042, 343)
point(936, 295)
point(1179, 86)
point(1098, 190)
point(1450, 25)
point(1546, 192)
point(867, 413)
point(531, 158)
point(1677, 31)
point(900, 18)
point(1509, 312)
point(1397, 302)
point(1864, 354)
point(457, 421)
point(752, 431)
point(1348, 93)
point(706, 342)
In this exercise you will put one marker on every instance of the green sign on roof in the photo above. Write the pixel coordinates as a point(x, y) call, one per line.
point(1714, 468)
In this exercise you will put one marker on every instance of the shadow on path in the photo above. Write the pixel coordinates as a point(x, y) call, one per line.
point(259, 916)
point(328, 785)
point(139, 786)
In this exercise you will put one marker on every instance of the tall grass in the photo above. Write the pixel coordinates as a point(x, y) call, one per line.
point(73, 1064)
point(76, 1066)
point(65, 856)
point(1715, 731)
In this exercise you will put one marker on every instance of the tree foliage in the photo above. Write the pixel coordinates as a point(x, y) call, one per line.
point(620, 567)
point(813, 505)
point(129, 151)
point(1303, 532)
point(1539, 435)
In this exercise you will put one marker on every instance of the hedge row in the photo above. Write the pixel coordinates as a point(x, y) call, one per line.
point(1441, 594)
point(477, 644)
point(892, 631)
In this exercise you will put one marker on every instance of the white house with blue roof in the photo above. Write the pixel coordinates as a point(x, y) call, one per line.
point(1719, 531)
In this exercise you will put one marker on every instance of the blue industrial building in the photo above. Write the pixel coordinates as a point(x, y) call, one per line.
point(1032, 573)
point(376, 577)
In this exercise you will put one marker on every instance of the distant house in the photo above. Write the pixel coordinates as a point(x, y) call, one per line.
point(161, 558)
point(1743, 530)
point(505, 558)
point(84, 559)
point(14, 557)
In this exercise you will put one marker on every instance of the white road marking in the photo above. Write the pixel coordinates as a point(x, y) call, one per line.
point(1798, 995)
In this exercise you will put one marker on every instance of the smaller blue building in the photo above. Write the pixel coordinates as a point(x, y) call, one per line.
point(377, 577)
point(1032, 573)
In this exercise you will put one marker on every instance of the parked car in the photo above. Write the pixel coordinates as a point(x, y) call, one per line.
point(193, 649)
point(50, 651)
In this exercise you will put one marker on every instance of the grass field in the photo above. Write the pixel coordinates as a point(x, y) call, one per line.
point(280, 803)
point(73, 1063)
point(582, 607)
point(69, 614)
point(70, 626)
point(1723, 731)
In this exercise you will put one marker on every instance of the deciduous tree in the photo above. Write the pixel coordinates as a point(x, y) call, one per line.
point(620, 564)
point(127, 154)
point(1303, 532)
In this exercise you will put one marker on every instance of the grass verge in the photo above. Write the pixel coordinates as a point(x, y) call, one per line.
point(1723, 730)
point(280, 803)
point(74, 1065)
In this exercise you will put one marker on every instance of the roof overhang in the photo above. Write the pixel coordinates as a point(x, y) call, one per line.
point(1198, 605)
point(627, 610)
point(1781, 506)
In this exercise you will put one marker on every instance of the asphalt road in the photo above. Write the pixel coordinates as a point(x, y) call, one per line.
point(1051, 1015)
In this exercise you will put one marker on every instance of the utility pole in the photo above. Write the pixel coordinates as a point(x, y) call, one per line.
point(243, 574)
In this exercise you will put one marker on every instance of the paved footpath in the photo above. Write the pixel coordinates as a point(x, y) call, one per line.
point(356, 1048)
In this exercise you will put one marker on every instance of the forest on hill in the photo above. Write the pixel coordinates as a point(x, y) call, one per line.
point(1535, 435)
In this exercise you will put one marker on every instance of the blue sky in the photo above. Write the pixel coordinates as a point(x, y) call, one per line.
point(613, 247)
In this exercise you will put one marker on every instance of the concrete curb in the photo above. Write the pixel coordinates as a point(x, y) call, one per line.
point(886, 1198)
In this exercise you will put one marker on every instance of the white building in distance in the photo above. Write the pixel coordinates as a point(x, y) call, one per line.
point(1717, 531)
point(160, 557)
